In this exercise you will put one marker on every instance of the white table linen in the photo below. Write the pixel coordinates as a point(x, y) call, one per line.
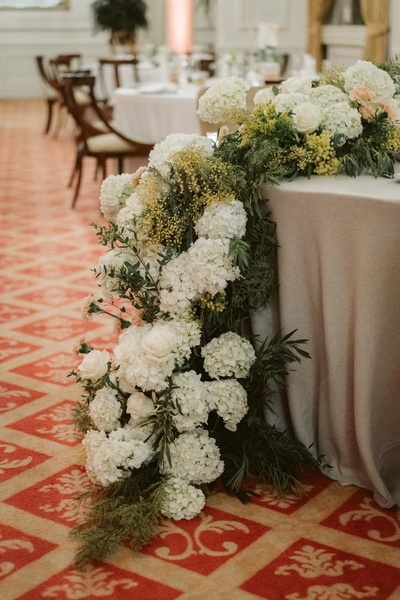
point(339, 276)
point(149, 114)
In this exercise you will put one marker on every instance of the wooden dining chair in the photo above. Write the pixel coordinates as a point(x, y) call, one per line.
point(103, 146)
point(52, 89)
point(116, 64)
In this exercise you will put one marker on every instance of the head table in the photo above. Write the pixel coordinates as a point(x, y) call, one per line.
point(150, 113)
point(339, 278)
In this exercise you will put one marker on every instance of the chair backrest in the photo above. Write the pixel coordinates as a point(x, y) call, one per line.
point(86, 117)
point(74, 83)
point(116, 64)
point(46, 74)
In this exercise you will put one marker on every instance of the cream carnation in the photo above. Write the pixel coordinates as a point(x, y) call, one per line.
point(225, 96)
point(94, 365)
point(182, 500)
point(228, 355)
point(195, 458)
point(105, 409)
point(114, 191)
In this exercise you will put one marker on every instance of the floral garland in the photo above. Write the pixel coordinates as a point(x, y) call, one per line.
point(180, 402)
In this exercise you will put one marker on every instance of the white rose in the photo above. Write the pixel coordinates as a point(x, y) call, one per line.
point(307, 117)
point(94, 365)
point(139, 406)
point(264, 95)
point(159, 343)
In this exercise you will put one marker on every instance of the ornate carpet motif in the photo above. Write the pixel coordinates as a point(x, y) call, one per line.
point(334, 544)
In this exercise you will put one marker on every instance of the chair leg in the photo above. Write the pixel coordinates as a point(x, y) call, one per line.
point(120, 164)
point(79, 169)
point(50, 104)
point(74, 170)
point(104, 167)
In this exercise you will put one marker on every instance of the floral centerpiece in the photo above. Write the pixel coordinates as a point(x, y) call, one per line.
point(179, 403)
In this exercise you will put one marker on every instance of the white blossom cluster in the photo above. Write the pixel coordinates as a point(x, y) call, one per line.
point(195, 458)
point(229, 399)
point(189, 395)
point(228, 355)
point(110, 458)
point(109, 267)
point(105, 409)
point(150, 361)
point(205, 268)
point(342, 119)
point(114, 191)
point(222, 220)
point(182, 500)
point(221, 98)
point(367, 74)
point(161, 157)
point(147, 355)
point(326, 95)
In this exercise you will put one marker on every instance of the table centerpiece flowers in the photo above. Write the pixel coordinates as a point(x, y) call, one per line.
point(178, 406)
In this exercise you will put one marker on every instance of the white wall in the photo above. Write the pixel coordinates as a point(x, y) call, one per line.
point(27, 33)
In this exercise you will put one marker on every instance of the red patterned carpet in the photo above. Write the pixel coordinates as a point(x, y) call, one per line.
point(335, 544)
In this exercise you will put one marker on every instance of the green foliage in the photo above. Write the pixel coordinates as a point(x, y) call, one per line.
point(392, 67)
point(119, 15)
point(124, 511)
point(260, 451)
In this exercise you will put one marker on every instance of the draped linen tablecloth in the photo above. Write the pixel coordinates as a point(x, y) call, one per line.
point(150, 116)
point(339, 277)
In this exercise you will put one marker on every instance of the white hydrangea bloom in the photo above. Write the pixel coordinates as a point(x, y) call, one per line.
point(94, 365)
point(188, 335)
point(109, 267)
point(292, 85)
point(190, 395)
point(229, 399)
point(223, 220)
point(287, 102)
point(221, 98)
point(105, 409)
point(127, 218)
point(228, 355)
point(368, 74)
point(340, 118)
point(114, 191)
point(195, 458)
point(161, 157)
point(110, 458)
point(326, 95)
point(204, 268)
point(211, 267)
point(182, 500)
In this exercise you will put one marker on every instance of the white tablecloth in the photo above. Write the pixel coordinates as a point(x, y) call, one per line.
point(150, 116)
point(339, 275)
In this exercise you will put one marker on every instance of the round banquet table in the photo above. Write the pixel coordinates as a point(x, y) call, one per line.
point(339, 286)
point(150, 113)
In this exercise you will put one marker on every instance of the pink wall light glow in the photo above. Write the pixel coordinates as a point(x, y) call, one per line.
point(179, 25)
